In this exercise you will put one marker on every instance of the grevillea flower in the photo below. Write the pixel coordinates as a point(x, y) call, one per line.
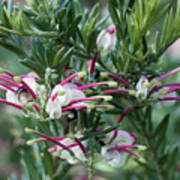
point(142, 89)
point(28, 91)
point(62, 96)
point(120, 142)
point(67, 96)
point(70, 149)
point(106, 41)
point(79, 154)
point(21, 90)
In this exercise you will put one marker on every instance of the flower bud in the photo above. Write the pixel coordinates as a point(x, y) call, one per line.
point(103, 74)
point(107, 98)
point(132, 92)
point(17, 79)
point(142, 160)
point(81, 74)
point(110, 107)
point(147, 84)
point(1, 70)
point(31, 142)
point(112, 84)
point(29, 131)
point(142, 148)
point(61, 93)
point(91, 107)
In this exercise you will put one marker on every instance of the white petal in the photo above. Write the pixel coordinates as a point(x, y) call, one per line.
point(10, 96)
point(142, 91)
point(53, 109)
point(122, 138)
point(114, 158)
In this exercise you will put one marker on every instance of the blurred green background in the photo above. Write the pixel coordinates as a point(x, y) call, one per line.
point(10, 138)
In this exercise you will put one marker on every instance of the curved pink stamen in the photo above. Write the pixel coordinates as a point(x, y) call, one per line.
point(29, 89)
point(173, 89)
point(7, 87)
point(54, 96)
point(111, 91)
point(85, 99)
point(133, 136)
point(153, 89)
point(169, 74)
point(93, 62)
point(10, 104)
point(74, 107)
point(111, 31)
point(124, 147)
point(54, 138)
point(10, 82)
point(130, 152)
point(77, 83)
point(72, 145)
point(125, 112)
point(92, 85)
point(68, 79)
point(53, 149)
point(9, 74)
point(119, 79)
point(170, 99)
point(3, 88)
point(6, 76)
point(81, 145)
point(51, 139)
point(37, 108)
point(26, 76)
point(171, 85)
point(114, 136)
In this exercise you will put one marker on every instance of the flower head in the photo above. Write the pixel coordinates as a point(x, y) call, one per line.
point(142, 89)
point(120, 142)
point(106, 41)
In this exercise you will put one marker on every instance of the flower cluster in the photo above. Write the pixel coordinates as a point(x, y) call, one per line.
point(153, 91)
point(71, 149)
point(25, 91)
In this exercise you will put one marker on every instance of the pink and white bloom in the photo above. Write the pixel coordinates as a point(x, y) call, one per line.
point(67, 96)
point(142, 89)
point(70, 149)
point(22, 96)
point(120, 142)
point(61, 96)
point(106, 41)
point(75, 148)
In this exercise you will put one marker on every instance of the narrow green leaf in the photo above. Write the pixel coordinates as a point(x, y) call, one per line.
point(65, 59)
point(48, 162)
point(33, 66)
point(162, 127)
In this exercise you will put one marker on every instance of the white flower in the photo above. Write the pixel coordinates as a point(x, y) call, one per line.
point(22, 96)
point(113, 157)
point(53, 108)
point(122, 138)
point(65, 94)
point(79, 155)
point(142, 90)
point(106, 41)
